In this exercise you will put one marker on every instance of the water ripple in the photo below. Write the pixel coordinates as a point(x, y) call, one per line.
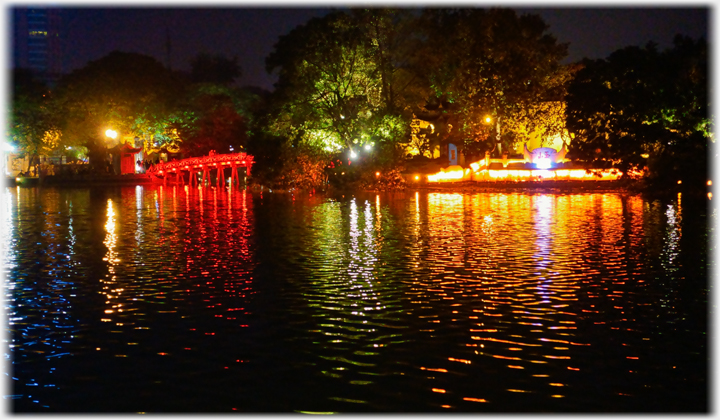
point(207, 299)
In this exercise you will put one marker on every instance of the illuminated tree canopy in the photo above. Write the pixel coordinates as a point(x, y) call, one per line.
point(641, 106)
point(385, 81)
point(491, 63)
point(334, 93)
point(130, 93)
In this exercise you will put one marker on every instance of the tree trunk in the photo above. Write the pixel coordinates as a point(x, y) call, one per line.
point(32, 161)
point(498, 137)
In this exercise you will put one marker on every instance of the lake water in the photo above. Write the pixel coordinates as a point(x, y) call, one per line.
point(179, 299)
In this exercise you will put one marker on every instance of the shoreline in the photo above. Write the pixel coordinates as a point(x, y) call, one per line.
point(547, 186)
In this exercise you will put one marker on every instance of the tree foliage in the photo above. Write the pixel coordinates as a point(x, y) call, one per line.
point(131, 93)
point(337, 86)
point(33, 119)
point(357, 78)
point(491, 63)
point(643, 102)
point(328, 85)
point(213, 118)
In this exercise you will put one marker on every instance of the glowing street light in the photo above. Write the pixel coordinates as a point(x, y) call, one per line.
point(488, 119)
point(353, 154)
point(368, 147)
point(111, 133)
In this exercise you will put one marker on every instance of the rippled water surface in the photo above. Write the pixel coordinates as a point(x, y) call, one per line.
point(179, 299)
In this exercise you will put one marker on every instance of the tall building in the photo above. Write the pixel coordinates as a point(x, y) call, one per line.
point(37, 41)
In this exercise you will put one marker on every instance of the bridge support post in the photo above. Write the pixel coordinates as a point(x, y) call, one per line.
point(233, 175)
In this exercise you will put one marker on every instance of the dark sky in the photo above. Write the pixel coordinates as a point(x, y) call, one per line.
point(249, 32)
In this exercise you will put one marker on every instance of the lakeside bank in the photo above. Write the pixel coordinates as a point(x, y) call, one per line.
point(540, 186)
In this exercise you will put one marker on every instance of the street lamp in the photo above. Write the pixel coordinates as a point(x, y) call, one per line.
point(488, 119)
point(111, 133)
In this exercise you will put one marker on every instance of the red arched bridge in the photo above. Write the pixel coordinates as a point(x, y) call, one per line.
point(208, 165)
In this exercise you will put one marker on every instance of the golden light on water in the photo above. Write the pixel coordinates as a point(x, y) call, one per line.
point(110, 288)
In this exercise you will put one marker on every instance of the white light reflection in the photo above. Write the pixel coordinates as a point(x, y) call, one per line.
point(357, 274)
point(8, 257)
point(361, 267)
point(673, 233)
point(139, 232)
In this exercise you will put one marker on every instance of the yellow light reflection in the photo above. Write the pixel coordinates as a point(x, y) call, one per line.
point(109, 288)
point(482, 400)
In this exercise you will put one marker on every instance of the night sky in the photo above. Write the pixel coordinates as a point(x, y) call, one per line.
point(249, 32)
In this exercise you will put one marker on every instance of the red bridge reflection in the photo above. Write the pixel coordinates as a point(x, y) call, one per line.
point(211, 165)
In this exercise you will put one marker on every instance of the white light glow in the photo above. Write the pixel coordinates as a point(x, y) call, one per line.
point(543, 163)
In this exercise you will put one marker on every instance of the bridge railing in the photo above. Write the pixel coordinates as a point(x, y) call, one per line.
point(203, 163)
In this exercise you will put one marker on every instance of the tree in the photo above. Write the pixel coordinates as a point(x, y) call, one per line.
point(642, 107)
point(328, 86)
point(131, 93)
point(394, 40)
point(490, 63)
point(33, 121)
point(213, 119)
point(345, 83)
